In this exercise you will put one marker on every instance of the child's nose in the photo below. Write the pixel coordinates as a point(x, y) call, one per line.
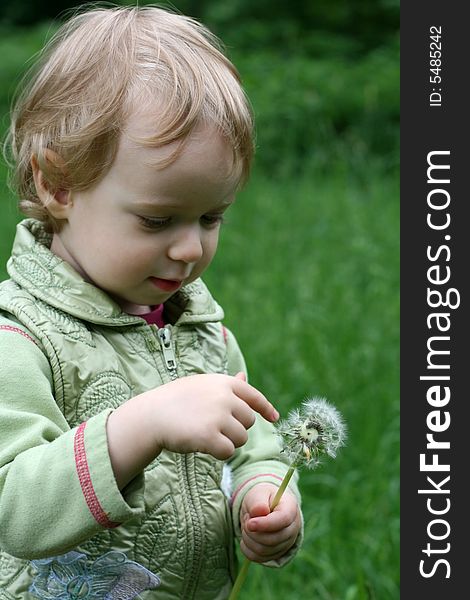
point(187, 246)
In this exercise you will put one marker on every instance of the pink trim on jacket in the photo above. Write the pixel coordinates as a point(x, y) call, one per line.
point(17, 330)
point(225, 334)
point(242, 485)
point(86, 483)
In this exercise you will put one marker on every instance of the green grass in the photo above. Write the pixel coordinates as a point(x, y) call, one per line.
point(307, 272)
point(17, 47)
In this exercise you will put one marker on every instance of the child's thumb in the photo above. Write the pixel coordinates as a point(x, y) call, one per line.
point(241, 375)
point(257, 503)
point(259, 509)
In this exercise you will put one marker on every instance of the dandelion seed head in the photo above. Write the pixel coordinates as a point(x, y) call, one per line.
point(308, 433)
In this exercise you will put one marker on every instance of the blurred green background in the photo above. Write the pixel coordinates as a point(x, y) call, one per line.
point(308, 265)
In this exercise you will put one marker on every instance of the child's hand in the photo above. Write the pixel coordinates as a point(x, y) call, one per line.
point(268, 536)
point(207, 413)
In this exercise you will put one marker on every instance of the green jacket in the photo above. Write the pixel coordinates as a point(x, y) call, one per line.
point(68, 357)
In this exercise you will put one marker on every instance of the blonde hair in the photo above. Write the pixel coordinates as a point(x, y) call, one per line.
point(100, 66)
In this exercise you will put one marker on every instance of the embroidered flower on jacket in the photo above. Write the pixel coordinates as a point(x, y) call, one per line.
point(72, 577)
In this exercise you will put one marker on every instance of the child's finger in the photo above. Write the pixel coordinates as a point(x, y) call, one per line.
point(255, 399)
point(271, 522)
point(270, 540)
point(261, 553)
point(236, 432)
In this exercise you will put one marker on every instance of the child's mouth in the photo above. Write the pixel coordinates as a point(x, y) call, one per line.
point(167, 285)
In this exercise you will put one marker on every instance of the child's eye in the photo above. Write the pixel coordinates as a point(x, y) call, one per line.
point(212, 220)
point(153, 222)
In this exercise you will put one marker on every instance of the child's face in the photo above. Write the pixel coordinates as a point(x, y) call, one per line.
point(142, 232)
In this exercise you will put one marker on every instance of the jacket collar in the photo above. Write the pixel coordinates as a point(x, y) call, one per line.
point(49, 278)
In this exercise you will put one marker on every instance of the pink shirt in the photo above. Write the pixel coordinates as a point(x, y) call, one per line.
point(155, 316)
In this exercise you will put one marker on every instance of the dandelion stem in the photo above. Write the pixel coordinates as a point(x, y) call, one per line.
point(240, 579)
point(246, 563)
point(282, 488)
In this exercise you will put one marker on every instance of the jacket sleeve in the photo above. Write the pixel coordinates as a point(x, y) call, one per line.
point(57, 486)
point(259, 460)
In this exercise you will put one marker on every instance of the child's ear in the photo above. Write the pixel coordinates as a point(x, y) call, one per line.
point(56, 200)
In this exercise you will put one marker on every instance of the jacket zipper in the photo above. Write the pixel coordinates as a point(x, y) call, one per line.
point(169, 358)
point(164, 335)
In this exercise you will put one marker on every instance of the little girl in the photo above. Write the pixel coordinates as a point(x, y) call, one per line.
point(123, 398)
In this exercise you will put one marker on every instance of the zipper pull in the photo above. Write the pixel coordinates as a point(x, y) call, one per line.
point(164, 335)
